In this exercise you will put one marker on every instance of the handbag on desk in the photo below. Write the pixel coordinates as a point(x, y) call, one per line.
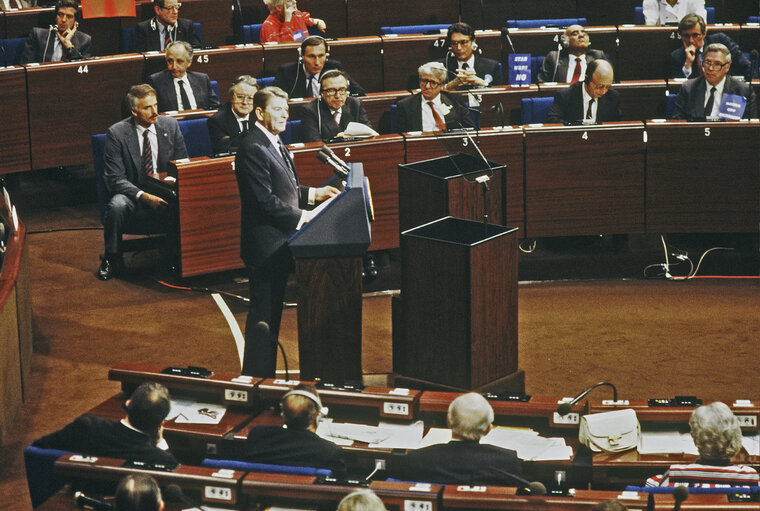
point(614, 431)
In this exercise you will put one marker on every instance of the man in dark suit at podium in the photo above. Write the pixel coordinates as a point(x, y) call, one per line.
point(464, 460)
point(590, 101)
point(273, 206)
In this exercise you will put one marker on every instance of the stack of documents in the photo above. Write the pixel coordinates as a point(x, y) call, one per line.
point(384, 435)
point(666, 442)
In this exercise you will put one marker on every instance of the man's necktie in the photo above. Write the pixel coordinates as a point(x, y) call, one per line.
point(698, 64)
point(168, 38)
point(589, 113)
point(245, 126)
point(577, 71)
point(336, 116)
point(183, 95)
point(288, 161)
point(147, 155)
point(438, 121)
point(465, 66)
point(710, 102)
point(309, 90)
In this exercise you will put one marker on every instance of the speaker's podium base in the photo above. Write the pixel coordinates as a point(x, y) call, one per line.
point(456, 325)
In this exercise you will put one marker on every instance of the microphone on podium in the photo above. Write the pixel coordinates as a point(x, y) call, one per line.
point(680, 493)
point(565, 408)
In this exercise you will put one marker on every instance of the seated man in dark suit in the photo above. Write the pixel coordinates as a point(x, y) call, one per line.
point(301, 79)
point(61, 41)
point(431, 109)
point(329, 115)
point(696, 101)
point(557, 66)
point(233, 120)
point(180, 89)
point(166, 27)
point(466, 69)
point(464, 460)
point(136, 147)
point(686, 62)
point(138, 492)
point(590, 101)
point(297, 444)
point(138, 436)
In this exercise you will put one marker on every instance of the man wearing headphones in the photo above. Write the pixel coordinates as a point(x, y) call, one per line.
point(166, 27)
point(301, 79)
point(329, 115)
point(61, 41)
point(297, 443)
point(569, 63)
point(468, 70)
point(138, 436)
point(590, 101)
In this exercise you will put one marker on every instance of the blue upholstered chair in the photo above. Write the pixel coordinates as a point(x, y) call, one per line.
point(245, 466)
point(670, 105)
point(535, 67)
point(535, 110)
point(558, 22)
point(40, 478)
point(720, 490)
point(414, 29)
point(265, 81)
point(252, 33)
point(197, 139)
point(638, 15)
point(12, 49)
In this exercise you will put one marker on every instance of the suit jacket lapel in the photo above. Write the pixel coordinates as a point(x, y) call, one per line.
point(699, 92)
point(163, 148)
point(171, 92)
point(277, 156)
point(133, 146)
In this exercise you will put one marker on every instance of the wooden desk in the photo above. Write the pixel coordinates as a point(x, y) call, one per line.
point(18, 23)
point(378, 108)
point(644, 52)
point(14, 135)
point(222, 64)
point(594, 184)
point(403, 54)
point(380, 156)
point(60, 124)
point(691, 193)
point(510, 99)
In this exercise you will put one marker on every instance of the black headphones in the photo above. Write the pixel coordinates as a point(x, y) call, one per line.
point(311, 42)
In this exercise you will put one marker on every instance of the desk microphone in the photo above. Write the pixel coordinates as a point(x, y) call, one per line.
point(680, 493)
point(86, 502)
point(505, 35)
point(173, 493)
point(565, 408)
point(528, 487)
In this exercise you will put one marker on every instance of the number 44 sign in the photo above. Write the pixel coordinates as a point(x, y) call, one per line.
point(519, 69)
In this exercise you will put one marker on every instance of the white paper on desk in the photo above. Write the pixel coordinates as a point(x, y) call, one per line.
point(356, 432)
point(528, 444)
point(323, 430)
point(666, 442)
point(357, 129)
point(187, 411)
point(403, 436)
point(751, 443)
point(436, 436)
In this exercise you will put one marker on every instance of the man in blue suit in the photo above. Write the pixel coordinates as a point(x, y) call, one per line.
point(136, 147)
point(273, 206)
point(180, 89)
point(61, 41)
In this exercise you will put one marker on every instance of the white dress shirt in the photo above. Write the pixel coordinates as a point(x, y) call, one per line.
point(428, 121)
point(660, 12)
point(188, 91)
point(571, 67)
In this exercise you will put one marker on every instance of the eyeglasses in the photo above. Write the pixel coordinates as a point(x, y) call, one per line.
point(335, 92)
point(429, 83)
point(174, 7)
point(691, 36)
point(463, 42)
point(242, 98)
point(709, 64)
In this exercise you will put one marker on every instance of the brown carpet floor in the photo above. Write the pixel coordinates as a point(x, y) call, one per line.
point(650, 337)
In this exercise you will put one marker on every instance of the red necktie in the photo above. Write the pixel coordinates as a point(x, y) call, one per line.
point(577, 71)
point(438, 121)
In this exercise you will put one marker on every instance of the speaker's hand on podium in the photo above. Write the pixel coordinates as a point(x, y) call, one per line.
point(324, 193)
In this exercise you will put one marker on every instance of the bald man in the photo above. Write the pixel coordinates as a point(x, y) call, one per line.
point(464, 460)
point(590, 101)
point(568, 65)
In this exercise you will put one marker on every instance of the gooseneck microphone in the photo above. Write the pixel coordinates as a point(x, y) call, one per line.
point(86, 502)
point(335, 157)
point(337, 169)
point(565, 408)
point(532, 488)
point(680, 493)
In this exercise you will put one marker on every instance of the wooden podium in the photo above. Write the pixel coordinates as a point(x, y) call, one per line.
point(328, 252)
point(458, 304)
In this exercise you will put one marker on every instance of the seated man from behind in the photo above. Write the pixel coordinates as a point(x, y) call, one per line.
point(233, 120)
point(138, 492)
point(569, 64)
point(328, 116)
point(286, 23)
point(431, 109)
point(136, 148)
point(590, 101)
point(166, 27)
point(180, 89)
point(138, 436)
point(718, 437)
point(686, 62)
point(468, 70)
point(663, 12)
point(464, 460)
point(297, 443)
point(61, 41)
point(300, 79)
point(700, 98)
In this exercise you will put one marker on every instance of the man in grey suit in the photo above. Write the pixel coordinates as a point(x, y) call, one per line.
point(431, 109)
point(61, 41)
point(273, 206)
point(180, 89)
point(135, 148)
point(568, 65)
point(700, 98)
